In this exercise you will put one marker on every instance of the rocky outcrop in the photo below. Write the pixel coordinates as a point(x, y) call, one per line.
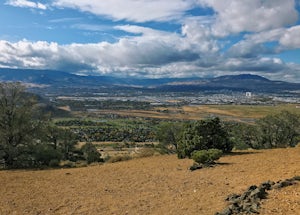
point(249, 202)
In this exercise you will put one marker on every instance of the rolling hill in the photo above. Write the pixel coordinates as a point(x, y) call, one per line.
point(58, 79)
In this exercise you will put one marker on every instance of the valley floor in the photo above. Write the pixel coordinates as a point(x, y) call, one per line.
point(155, 185)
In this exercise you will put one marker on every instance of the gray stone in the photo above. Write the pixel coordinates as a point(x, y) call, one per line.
point(233, 198)
point(296, 178)
point(249, 201)
point(285, 183)
point(267, 185)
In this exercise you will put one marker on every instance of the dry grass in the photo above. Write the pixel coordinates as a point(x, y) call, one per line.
point(154, 185)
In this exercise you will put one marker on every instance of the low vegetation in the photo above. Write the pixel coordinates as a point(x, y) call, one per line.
point(30, 138)
point(203, 135)
point(117, 130)
point(273, 131)
point(206, 156)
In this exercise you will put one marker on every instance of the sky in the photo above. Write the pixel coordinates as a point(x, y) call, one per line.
point(153, 38)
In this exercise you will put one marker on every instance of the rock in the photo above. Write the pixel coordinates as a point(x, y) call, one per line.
point(252, 187)
point(232, 198)
point(235, 207)
point(249, 201)
point(296, 178)
point(267, 185)
point(258, 193)
point(254, 208)
point(285, 183)
point(226, 211)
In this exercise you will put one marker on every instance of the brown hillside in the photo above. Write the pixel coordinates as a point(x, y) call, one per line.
point(156, 185)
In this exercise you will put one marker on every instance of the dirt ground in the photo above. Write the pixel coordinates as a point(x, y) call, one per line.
point(156, 185)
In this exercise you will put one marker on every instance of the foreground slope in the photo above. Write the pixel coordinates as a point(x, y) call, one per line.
point(156, 185)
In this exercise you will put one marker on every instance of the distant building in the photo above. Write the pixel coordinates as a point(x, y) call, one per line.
point(248, 94)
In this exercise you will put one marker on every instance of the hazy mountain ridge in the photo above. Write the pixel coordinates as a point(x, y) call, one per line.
point(242, 82)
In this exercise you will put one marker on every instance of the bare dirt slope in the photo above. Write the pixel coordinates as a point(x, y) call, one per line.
point(156, 185)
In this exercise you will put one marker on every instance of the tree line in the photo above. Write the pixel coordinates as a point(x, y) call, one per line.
point(206, 140)
point(28, 138)
point(273, 131)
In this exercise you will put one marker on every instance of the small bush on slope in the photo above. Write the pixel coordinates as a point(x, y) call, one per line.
point(206, 156)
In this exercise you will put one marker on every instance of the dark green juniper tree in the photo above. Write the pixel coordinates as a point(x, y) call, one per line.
point(279, 130)
point(168, 134)
point(204, 135)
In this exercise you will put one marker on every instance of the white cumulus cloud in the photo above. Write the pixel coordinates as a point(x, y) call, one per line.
point(26, 3)
point(291, 38)
point(235, 16)
point(131, 10)
point(147, 49)
point(133, 57)
point(194, 48)
point(254, 44)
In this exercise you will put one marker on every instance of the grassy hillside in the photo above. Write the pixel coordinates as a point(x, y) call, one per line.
point(155, 185)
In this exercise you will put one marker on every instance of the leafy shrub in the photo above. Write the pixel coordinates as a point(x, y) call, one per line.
point(280, 130)
point(76, 155)
point(244, 136)
point(43, 154)
point(90, 153)
point(204, 135)
point(54, 163)
point(241, 146)
point(272, 131)
point(206, 156)
point(168, 135)
point(23, 161)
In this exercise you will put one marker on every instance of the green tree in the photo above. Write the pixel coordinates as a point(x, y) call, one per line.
point(204, 135)
point(244, 135)
point(279, 130)
point(168, 135)
point(45, 154)
point(91, 153)
point(61, 139)
point(19, 124)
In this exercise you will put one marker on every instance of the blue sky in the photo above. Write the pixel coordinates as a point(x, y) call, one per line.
point(157, 38)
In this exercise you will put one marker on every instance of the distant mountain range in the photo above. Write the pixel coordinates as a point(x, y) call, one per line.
point(56, 79)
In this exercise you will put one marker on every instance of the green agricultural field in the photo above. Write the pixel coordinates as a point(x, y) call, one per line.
point(244, 113)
